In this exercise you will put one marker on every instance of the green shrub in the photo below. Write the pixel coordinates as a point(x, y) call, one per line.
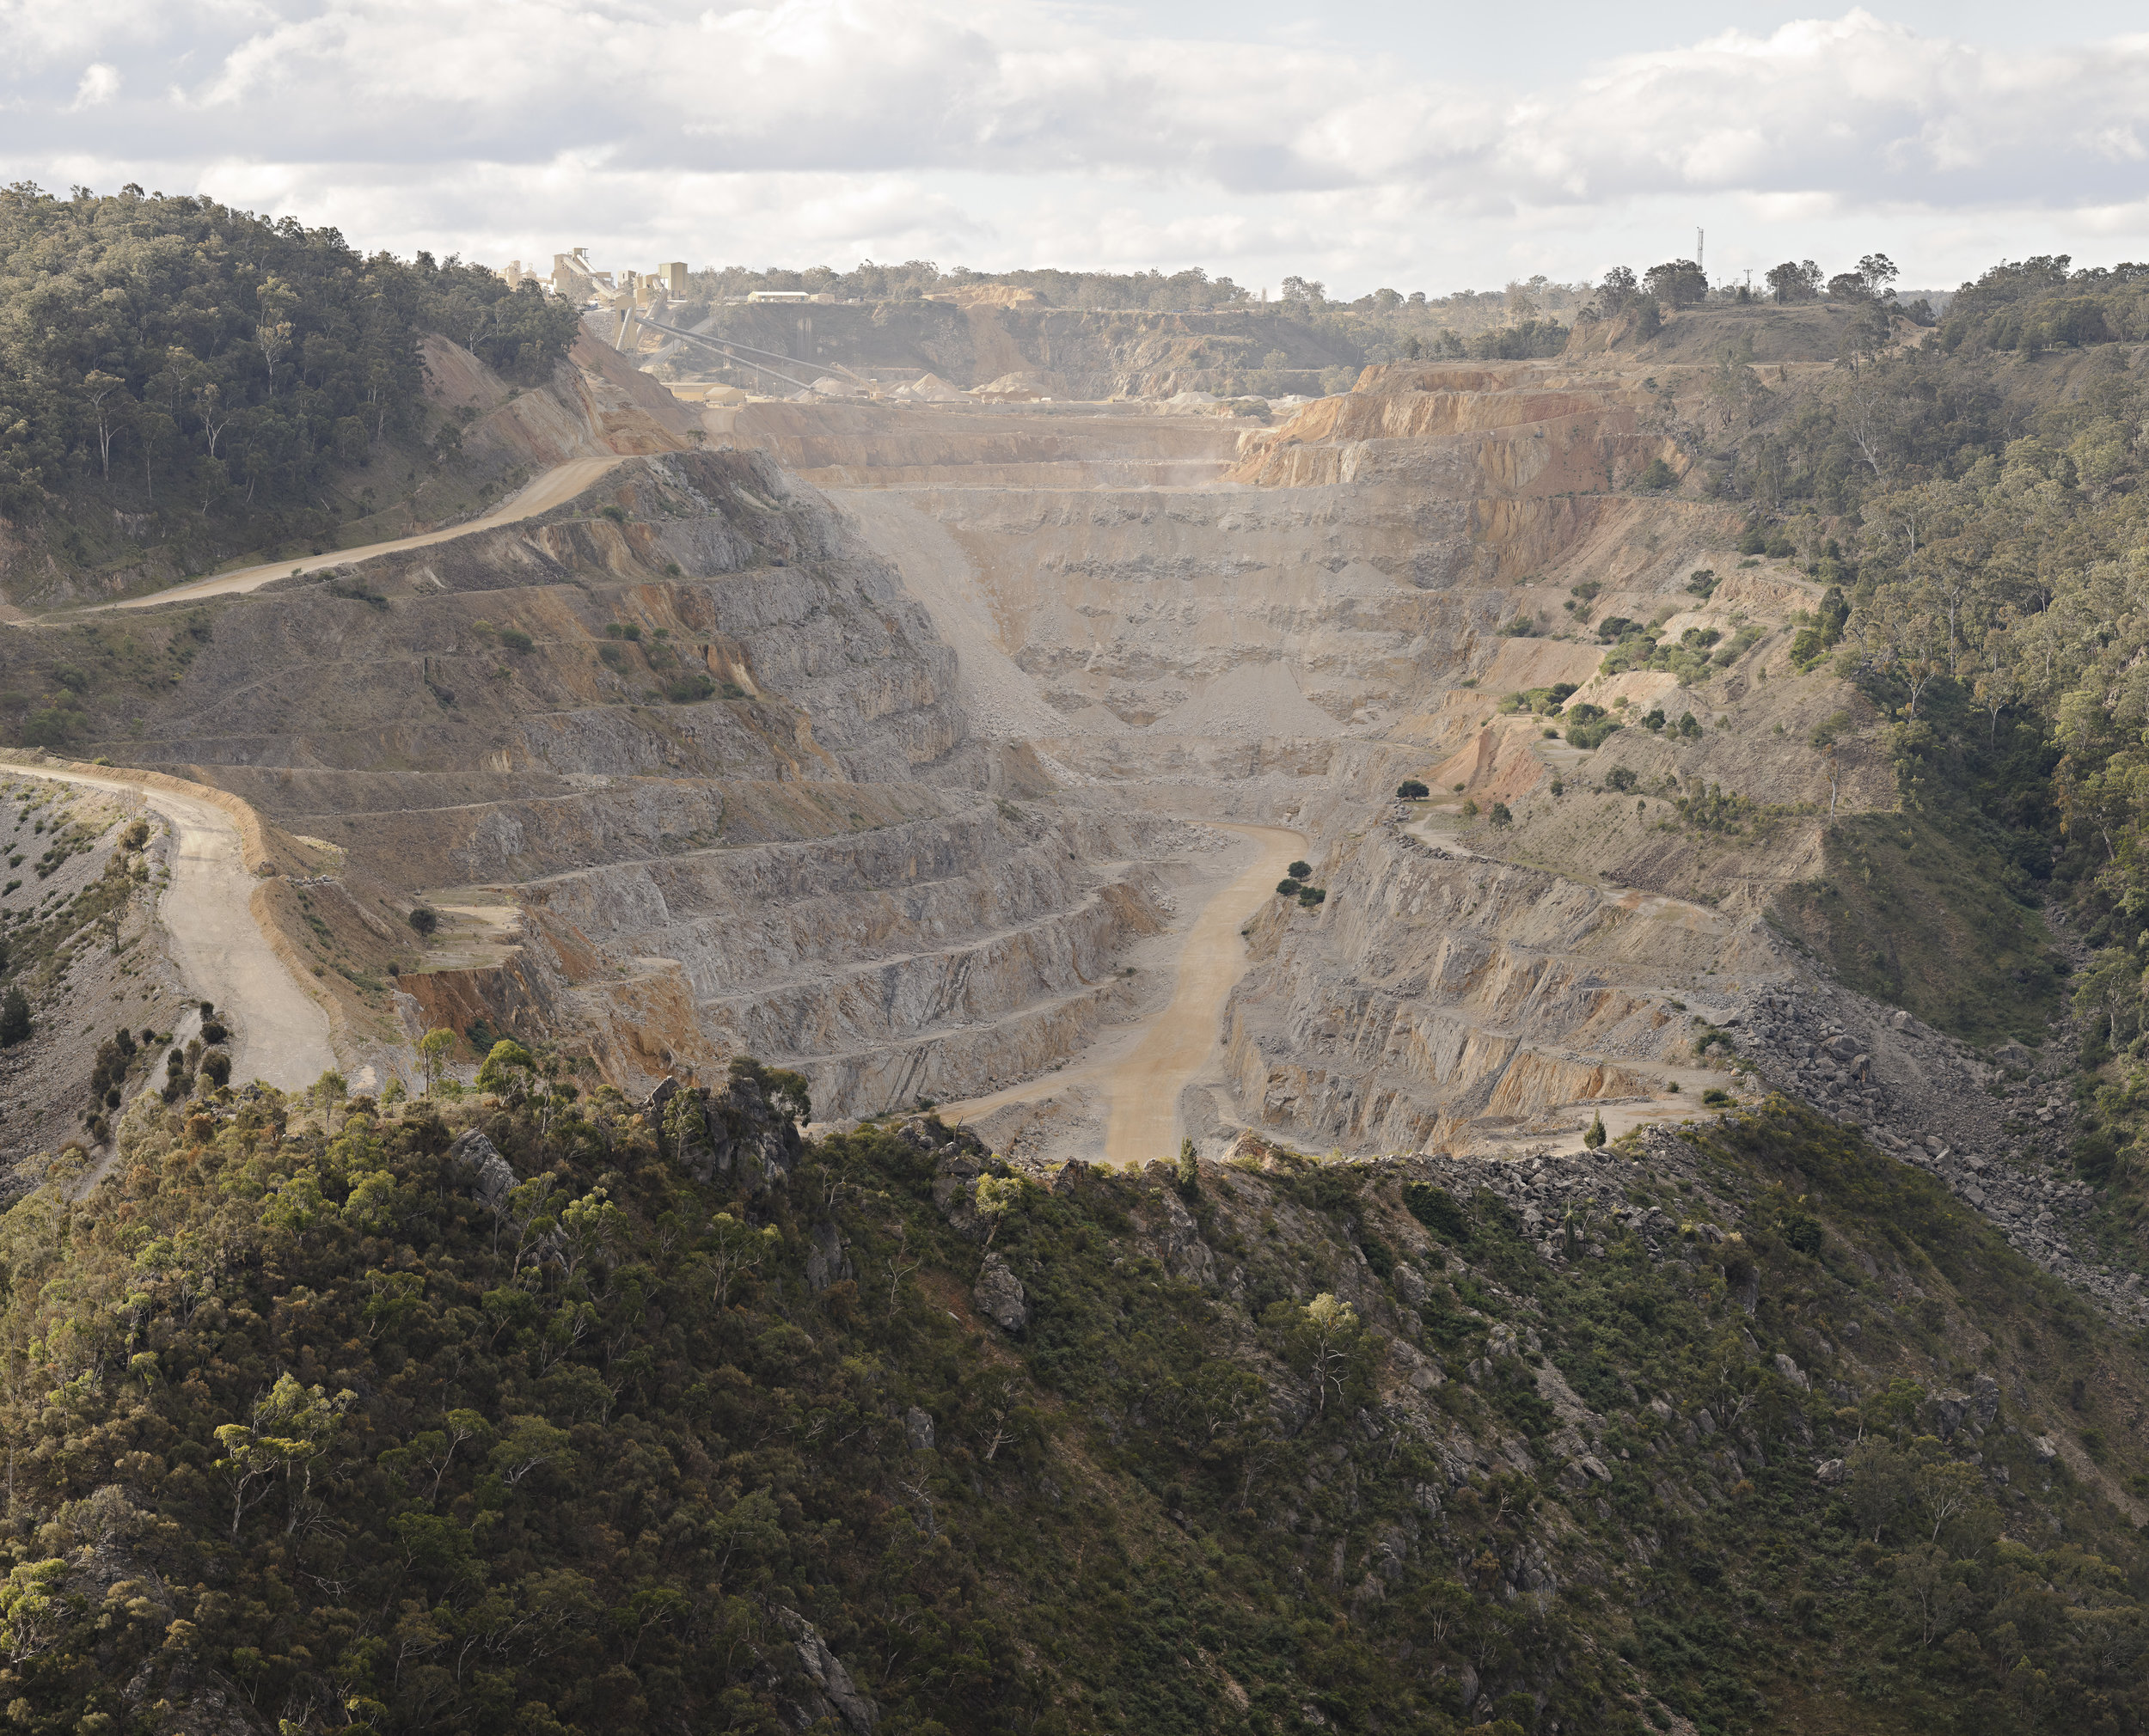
point(1655, 476)
point(1411, 790)
point(1802, 1232)
point(1439, 1211)
point(515, 639)
point(49, 728)
point(14, 1017)
point(690, 689)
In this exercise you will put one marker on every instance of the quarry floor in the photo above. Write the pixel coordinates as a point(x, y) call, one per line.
point(1127, 1085)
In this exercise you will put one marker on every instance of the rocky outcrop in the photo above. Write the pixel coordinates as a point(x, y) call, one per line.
point(1000, 1296)
point(733, 1129)
point(489, 1175)
point(828, 1258)
point(833, 1691)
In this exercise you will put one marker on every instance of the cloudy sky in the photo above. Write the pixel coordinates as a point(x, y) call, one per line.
point(1422, 146)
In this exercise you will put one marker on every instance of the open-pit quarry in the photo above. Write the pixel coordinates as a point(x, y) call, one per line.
point(952, 753)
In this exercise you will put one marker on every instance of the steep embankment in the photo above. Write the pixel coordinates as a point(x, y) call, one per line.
point(878, 1433)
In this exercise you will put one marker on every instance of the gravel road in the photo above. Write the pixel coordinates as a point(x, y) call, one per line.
point(279, 1032)
point(555, 487)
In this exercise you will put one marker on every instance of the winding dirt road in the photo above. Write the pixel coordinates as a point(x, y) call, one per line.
point(1140, 1074)
point(279, 1032)
point(555, 487)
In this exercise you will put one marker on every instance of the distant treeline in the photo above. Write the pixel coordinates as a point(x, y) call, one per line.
point(1192, 291)
point(181, 358)
point(2040, 304)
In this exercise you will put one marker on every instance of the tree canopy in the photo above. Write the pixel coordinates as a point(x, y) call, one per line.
point(185, 359)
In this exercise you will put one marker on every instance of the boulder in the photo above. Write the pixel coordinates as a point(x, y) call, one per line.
point(1792, 1372)
point(917, 1429)
point(1831, 1472)
point(999, 1296)
point(490, 1174)
point(1985, 1401)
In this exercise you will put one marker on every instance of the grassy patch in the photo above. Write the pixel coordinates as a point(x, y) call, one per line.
point(1916, 912)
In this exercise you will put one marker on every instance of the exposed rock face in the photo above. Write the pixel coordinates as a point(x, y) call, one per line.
point(1000, 1296)
point(917, 1430)
point(828, 1263)
point(491, 1177)
point(1177, 1242)
point(832, 1682)
point(731, 1128)
point(1446, 998)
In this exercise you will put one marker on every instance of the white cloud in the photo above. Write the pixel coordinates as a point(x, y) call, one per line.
point(100, 84)
point(1010, 130)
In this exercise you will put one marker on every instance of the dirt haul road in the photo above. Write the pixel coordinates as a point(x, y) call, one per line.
point(555, 487)
point(279, 1032)
point(1143, 1089)
point(1142, 1073)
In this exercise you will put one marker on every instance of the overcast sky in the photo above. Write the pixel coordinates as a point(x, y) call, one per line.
point(1425, 146)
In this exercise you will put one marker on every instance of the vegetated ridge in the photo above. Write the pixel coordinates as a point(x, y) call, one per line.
point(578, 1415)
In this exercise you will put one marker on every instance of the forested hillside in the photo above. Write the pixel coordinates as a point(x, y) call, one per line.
point(1976, 505)
point(174, 372)
point(338, 1415)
